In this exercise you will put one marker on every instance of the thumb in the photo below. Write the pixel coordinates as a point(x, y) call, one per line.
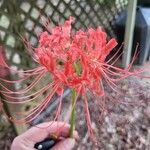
point(66, 144)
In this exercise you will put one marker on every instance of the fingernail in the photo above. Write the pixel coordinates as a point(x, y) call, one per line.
point(71, 142)
point(76, 135)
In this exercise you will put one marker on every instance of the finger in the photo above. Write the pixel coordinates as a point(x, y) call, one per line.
point(41, 131)
point(66, 144)
point(19, 144)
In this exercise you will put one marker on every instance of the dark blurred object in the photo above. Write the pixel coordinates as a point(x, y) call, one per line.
point(141, 32)
point(144, 3)
point(45, 144)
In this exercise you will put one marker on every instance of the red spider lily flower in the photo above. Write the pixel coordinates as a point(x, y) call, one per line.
point(74, 60)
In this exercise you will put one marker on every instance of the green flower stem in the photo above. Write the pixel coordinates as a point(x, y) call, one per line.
point(73, 112)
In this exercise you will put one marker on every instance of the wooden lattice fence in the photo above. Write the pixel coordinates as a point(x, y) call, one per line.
point(23, 17)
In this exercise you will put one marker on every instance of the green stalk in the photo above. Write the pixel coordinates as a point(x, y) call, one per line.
point(73, 113)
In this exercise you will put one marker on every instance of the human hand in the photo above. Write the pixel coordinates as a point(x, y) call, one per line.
point(27, 140)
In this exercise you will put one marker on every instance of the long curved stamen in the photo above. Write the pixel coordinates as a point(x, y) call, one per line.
point(112, 73)
point(57, 116)
point(109, 71)
point(37, 110)
point(102, 104)
point(15, 81)
point(115, 54)
point(113, 67)
point(111, 84)
point(28, 88)
point(126, 73)
point(99, 101)
point(141, 76)
point(46, 23)
point(136, 53)
point(35, 72)
point(31, 111)
point(44, 104)
point(117, 90)
point(34, 95)
point(117, 58)
point(123, 76)
point(57, 113)
point(26, 72)
point(117, 69)
point(88, 119)
point(59, 107)
point(24, 78)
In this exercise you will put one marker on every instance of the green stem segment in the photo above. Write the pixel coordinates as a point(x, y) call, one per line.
point(73, 112)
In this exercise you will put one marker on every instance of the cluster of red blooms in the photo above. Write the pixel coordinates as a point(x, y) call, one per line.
point(74, 59)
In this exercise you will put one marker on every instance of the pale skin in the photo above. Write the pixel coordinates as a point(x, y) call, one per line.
point(27, 140)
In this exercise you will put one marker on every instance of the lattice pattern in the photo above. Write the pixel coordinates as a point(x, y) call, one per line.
point(23, 17)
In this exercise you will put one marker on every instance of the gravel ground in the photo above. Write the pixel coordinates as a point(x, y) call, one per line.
point(126, 127)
